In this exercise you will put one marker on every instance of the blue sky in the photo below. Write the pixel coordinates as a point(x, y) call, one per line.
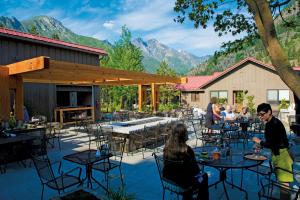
point(103, 19)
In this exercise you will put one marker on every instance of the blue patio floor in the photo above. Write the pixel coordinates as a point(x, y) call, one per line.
point(141, 176)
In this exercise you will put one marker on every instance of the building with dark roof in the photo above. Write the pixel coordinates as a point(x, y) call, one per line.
point(44, 98)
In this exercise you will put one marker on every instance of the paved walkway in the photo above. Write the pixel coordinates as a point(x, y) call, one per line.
point(141, 176)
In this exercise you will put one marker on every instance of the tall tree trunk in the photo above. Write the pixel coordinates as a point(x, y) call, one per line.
point(266, 29)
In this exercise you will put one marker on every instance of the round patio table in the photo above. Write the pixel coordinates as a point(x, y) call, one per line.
point(233, 161)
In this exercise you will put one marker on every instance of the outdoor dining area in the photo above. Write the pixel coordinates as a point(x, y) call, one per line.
point(125, 155)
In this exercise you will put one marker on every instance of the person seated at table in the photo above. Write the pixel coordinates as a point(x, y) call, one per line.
point(244, 114)
point(187, 174)
point(276, 140)
point(229, 114)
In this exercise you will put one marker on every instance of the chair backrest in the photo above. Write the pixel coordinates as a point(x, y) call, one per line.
point(44, 169)
point(117, 147)
point(167, 183)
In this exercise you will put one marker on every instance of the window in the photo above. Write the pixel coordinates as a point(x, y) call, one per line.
point(275, 96)
point(219, 94)
point(195, 96)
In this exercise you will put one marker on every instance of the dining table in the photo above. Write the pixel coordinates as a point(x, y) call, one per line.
point(233, 160)
point(87, 158)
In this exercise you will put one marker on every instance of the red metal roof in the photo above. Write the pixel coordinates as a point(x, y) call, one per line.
point(198, 82)
point(195, 82)
point(51, 41)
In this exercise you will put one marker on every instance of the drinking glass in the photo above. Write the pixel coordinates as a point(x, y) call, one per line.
point(256, 149)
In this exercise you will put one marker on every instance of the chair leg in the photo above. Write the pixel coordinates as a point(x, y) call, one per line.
point(121, 176)
point(242, 178)
point(42, 192)
point(106, 174)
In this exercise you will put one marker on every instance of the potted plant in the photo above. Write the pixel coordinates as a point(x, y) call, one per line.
point(119, 194)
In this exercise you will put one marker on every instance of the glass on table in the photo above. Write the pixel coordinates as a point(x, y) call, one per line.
point(256, 150)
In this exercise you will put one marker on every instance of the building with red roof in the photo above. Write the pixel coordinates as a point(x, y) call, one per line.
point(249, 75)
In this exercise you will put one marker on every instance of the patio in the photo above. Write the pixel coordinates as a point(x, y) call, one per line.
point(141, 175)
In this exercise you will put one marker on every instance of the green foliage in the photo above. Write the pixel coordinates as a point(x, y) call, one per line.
point(55, 36)
point(251, 104)
point(165, 70)
point(2, 25)
point(168, 95)
point(119, 194)
point(33, 30)
point(124, 56)
point(12, 121)
point(222, 100)
point(284, 104)
point(229, 17)
point(240, 97)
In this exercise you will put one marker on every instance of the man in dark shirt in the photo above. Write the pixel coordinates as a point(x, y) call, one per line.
point(276, 140)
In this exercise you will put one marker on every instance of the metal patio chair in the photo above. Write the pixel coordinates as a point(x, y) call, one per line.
point(170, 185)
point(116, 148)
point(47, 177)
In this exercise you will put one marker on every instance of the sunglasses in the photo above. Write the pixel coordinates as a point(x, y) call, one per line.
point(261, 114)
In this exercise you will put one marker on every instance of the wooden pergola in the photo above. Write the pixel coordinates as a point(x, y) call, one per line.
point(45, 70)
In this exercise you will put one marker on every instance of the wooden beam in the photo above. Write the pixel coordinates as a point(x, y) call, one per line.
point(111, 73)
point(4, 94)
point(30, 65)
point(19, 99)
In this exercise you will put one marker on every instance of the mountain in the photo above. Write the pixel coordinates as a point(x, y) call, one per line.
point(289, 38)
point(48, 26)
point(154, 53)
point(12, 23)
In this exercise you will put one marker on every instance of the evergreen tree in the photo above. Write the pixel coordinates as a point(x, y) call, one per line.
point(168, 95)
point(33, 30)
point(124, 56)
point(55, 36)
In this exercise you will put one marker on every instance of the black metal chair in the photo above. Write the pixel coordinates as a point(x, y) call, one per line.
point(116, 147)
point(47, 177)
point(170, 185)
point(53, 131)
point(272, 189)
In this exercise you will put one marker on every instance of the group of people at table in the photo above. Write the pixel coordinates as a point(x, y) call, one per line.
point(275, 139)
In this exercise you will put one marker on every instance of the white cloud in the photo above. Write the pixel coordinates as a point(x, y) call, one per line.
point(150, 16)
point(189, 39)
point(109, 24)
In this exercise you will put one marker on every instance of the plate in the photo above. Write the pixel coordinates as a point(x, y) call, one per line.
point(254, 157)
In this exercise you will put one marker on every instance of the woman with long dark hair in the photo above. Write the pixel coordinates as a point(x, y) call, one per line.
point(185, 175)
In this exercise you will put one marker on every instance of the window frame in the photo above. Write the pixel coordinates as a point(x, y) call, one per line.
point(218, 92)
point(277, 101)
point(195, 96)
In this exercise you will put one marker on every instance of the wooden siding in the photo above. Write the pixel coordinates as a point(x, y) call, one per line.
point(14, 50)
point(257, 80)
point(41, 98)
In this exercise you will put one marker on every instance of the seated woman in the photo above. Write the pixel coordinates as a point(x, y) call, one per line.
point(185, 175)
point(229, 115)
point(244, 116)
point(245, 113)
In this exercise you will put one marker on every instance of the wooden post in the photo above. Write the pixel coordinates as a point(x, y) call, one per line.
point(93, 114)
point(141, 97)
point(4, 94)
point(154, 99)
point(19, 99)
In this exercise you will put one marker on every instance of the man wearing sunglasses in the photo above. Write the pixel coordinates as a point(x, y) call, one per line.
point(276, 140)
